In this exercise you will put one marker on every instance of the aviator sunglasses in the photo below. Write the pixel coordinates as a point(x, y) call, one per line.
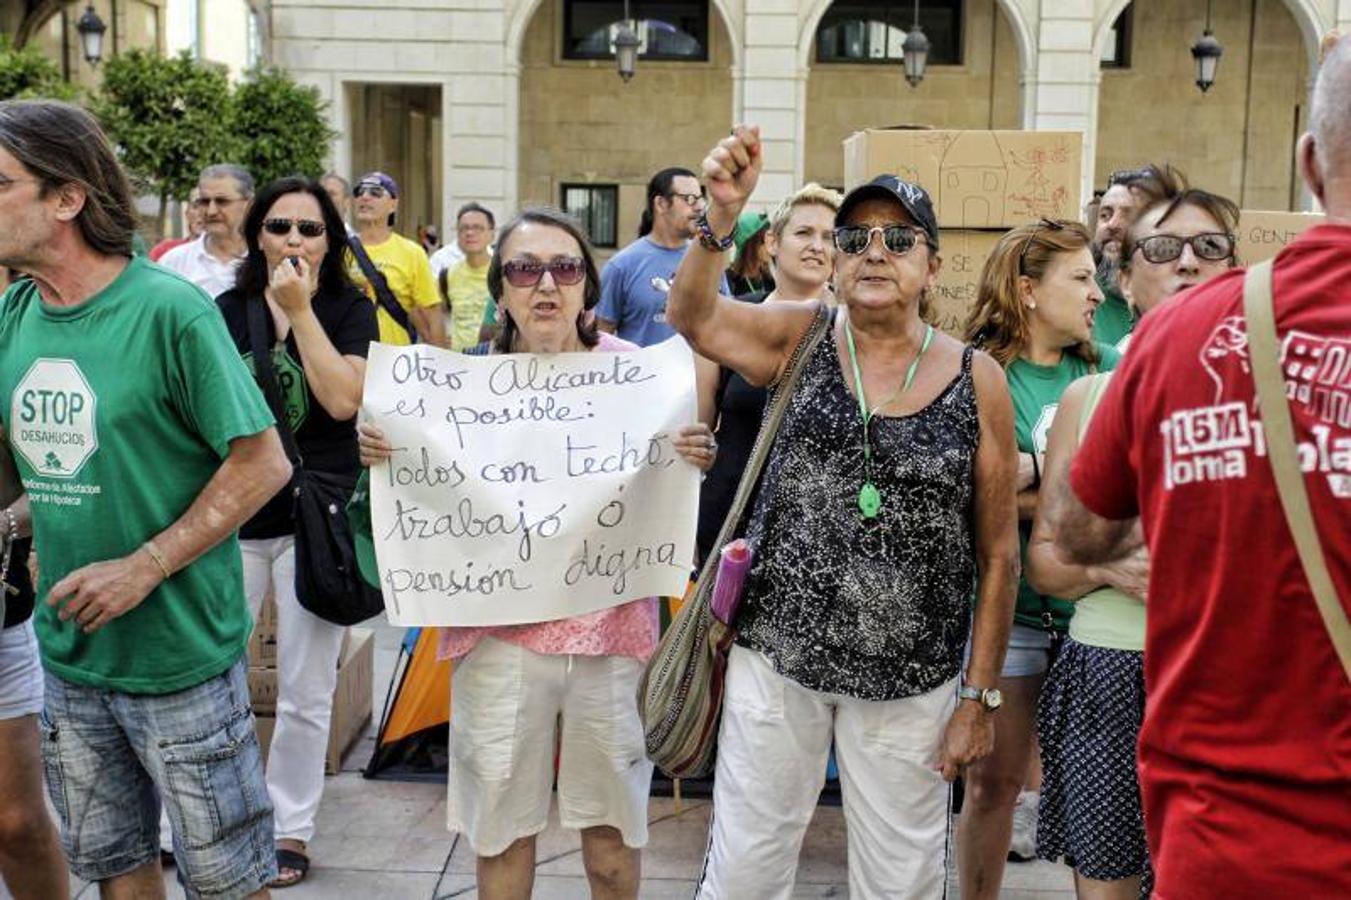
point(281, 227)
point(1164, 248)
point(854, 239)
point(528, 272)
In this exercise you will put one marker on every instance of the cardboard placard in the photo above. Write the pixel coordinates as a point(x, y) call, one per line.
point(1262, 234)
point(977, 179)
point(262, 647)
point(351, 701)
point(530, 487)
point(263, 690)
point(964, 253)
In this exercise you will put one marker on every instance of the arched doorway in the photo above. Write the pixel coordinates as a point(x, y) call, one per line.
point(855, 80)
point(1237, 139)
point(585, 137)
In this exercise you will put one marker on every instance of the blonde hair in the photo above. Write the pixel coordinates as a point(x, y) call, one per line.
point(809, 194)
point(998, 323)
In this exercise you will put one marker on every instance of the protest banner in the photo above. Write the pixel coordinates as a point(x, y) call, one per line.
point(526, 487)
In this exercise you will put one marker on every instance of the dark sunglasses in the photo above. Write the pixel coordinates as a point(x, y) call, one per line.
point(1164, 248)
point(1129, 177)
point(528, 272)
point(1048, 225)
point(854, 239)
point(372, 190)
point(308, 228)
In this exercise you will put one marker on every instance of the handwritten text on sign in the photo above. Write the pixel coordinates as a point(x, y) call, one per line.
point(525, 487)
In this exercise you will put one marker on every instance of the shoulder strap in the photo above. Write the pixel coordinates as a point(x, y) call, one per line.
point(267, 375)
point(1264, 357)
point(383, 295)
point(781, 394)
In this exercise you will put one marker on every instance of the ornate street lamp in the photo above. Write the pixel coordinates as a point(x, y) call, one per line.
point(916, 49)
point(626, 47)
point(91, 29)
point(1206, 52)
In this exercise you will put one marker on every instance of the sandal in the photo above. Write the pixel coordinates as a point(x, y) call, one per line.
point(296, 862)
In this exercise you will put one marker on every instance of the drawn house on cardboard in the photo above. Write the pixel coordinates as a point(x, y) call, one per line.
point(972, 180)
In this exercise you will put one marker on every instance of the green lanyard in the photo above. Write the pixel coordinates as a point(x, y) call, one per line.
point(869, 497)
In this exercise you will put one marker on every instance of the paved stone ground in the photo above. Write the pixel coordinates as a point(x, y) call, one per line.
point(387, 839)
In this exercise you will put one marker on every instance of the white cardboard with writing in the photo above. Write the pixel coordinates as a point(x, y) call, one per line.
point(1263, 234)
point(977, 179)
point(525, 488)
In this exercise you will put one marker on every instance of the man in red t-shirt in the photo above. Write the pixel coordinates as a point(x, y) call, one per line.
point(1245, 752)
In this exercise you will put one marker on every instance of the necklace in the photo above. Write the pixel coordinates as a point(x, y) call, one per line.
point(869, 497)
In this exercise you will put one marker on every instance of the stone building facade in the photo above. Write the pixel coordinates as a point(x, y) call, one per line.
point(482, 100)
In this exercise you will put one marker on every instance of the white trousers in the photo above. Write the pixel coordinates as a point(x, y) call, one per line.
point(772, 750)
point(307, 672)
point(512, 707)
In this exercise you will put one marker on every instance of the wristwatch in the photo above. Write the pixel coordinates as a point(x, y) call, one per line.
point(990, 698)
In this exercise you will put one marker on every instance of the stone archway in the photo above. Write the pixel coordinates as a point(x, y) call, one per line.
point(1238, 138)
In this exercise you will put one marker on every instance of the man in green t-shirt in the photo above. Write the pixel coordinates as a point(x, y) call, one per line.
point(1129, 191)
point(142, 444)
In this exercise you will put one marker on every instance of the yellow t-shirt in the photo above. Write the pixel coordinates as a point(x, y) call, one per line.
point(409, 274)
point(467, 292)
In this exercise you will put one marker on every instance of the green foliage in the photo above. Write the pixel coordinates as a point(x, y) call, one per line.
point(168, 118)
point(282, 126)
point(25, 74)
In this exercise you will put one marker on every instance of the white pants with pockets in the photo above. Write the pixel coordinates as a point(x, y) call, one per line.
point(772, 751)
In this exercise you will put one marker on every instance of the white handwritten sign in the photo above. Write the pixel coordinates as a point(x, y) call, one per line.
point(526, 487)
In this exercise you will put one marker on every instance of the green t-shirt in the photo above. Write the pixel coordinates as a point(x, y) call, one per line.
point(1036, 394)
point(1106, 617)
point(1114, 318)
point(119, 411)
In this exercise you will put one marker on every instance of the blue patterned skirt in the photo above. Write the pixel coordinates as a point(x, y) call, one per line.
point(1088, 722)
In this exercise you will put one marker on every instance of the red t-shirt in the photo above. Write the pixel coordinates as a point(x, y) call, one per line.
point(165, 246)
point(1245, 751)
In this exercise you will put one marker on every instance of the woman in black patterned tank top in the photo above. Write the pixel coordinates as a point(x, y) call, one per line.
point(888, 493)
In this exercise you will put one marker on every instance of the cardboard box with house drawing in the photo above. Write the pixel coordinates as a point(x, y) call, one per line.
point(977, 179)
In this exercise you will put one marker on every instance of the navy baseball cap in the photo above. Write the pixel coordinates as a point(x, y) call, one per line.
point(888, 187)
point(378, 179)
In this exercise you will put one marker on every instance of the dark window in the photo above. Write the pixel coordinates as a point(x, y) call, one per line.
point(872, 31)
point(596, 206)
point(1116, 51)
point(668, 30)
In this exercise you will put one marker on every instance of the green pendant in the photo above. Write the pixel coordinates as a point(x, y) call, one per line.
point(869, 500)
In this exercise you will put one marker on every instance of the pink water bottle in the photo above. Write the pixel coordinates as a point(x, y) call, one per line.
point(733, 564)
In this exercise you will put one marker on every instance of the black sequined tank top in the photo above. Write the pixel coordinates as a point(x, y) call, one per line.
point(879, 608)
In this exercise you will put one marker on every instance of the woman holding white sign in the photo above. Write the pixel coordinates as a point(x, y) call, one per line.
point(888, 491)
point(513, 683)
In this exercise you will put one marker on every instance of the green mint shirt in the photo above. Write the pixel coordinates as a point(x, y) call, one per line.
point(119, 411)
point(1106, 617)
point(1114, 318)
point(1036, 394)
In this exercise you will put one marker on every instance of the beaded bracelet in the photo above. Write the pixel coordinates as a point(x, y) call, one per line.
point(710, 241)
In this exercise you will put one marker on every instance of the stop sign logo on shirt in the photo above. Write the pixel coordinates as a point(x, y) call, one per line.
point(53, 418)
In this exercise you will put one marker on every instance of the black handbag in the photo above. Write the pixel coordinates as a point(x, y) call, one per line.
point(328, 581)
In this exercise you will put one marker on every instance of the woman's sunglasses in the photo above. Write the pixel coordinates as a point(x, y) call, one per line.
point(527, 273)
point(308, 228)
point(1164, 248)
point(854, 239)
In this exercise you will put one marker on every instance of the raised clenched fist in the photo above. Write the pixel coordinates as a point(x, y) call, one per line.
point(731, 170)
